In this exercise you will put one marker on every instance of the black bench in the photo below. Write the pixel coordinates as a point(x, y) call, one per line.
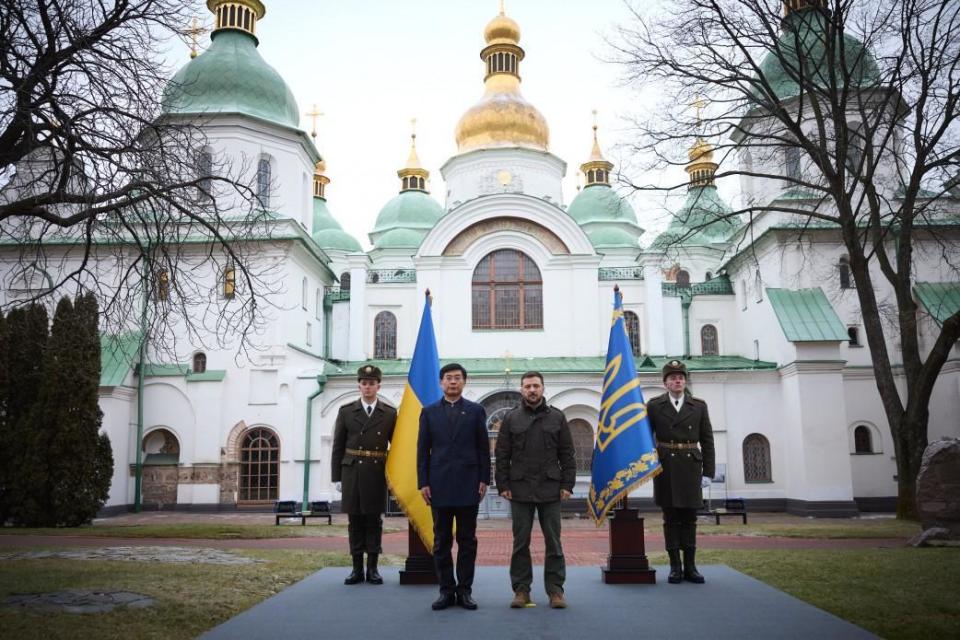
point(736, 507)
point(291, 509)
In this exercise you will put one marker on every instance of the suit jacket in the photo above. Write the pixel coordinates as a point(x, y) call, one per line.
point(453, 457)
point(679, 484)
point(364, 487)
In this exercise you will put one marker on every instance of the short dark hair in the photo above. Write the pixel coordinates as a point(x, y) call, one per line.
point(532, 374)
point(453, 366)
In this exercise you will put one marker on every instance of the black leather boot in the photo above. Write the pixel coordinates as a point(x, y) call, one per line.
point(373, 576)
point(676, 569)
point(356, 577)
point(690, 573)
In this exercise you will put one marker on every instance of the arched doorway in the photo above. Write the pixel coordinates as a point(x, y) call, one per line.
point(259, 466)
point(161, 461)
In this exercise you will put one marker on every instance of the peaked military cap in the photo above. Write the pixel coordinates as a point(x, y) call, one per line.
point(674, 366)
point(369, 372)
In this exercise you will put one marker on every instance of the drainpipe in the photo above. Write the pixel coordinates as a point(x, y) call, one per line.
point(321, 383)
point(141, 373)
point(685, 300)
point(327, 317)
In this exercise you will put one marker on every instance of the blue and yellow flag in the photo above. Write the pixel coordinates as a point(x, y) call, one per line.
point(423, 389)
point(624, 455)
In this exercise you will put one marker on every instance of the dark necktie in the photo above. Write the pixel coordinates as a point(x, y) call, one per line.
point(369, 410)
point(676, 404)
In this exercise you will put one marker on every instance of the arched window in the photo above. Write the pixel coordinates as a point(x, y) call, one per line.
point(862, 439)
point(229, 281)
point(264, 178)
point(259, 466)
point(683, 278)
point(791, 163)
point(345, 281)
point(582, 434)
point(632, 323)
point(507, 292)
point(709, 276)
point(303, 293)
point(385, 336)
point(843, 266)
point(199, 362)
point(854, 334)
point(497, 407)
point(756, 459)
point(709, 344)
point(163, 284)
point(319, 302)
point(204, 173)
point(758, 285)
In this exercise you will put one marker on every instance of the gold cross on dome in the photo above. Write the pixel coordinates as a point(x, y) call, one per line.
point(699, 104)
point(194, 31)
point(313, 114)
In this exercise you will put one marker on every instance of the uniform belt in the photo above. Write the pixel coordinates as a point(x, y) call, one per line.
point(678, 445)
point(382, 455)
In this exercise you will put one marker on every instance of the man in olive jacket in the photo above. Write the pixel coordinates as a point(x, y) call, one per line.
point(361, 436)
point(684, 437)
point(536, 469)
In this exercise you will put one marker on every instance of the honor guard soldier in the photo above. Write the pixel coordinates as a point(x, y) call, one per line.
point(361, 437)
point(681, 426)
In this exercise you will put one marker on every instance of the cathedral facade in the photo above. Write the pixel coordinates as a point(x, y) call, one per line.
point(519, 280)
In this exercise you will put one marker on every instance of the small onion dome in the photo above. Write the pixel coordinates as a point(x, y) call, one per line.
point(327, 232)
point(703, 219)
point(502, 118)
point(231, 77)
point(608, 219)
point(701, 167)
point(405, 220)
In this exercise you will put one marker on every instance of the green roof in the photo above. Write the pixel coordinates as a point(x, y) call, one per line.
point(701, 220)
point(496, 366)
point(117, 355)
point(608, 218)
point(210, 375)
point(327, 232)
point(165, 370)
point(806, 315)
point(232, 77)
point(804, 36)
point(940, 299)
point(411, 211)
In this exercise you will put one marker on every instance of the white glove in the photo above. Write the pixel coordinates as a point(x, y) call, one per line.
point(337, 487)
point(705, 482)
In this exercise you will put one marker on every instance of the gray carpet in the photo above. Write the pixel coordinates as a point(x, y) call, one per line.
point(729, 605)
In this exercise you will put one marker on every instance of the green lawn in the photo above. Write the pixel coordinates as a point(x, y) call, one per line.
point(820, 528)
point(195, 531)
point(895, 593)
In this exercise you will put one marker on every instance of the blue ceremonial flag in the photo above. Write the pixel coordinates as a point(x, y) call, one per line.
point(624, 454)
point(422, 389)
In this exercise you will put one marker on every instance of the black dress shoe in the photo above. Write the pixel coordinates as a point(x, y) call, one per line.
point(445, 600)
point(466, 601)
point(355, 577)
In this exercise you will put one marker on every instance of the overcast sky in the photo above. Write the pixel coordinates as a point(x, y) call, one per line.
point(372, 65)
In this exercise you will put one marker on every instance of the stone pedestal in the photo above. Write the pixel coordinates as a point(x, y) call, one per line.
point(627, 562)
point(418, 568)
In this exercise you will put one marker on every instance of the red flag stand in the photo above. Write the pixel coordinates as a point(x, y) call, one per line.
point(627, 562)
point(418, 568)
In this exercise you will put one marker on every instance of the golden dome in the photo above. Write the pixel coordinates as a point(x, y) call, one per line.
point(701, 151)
point(320, 168)
point(502, 118)
point(701, 167)
point(502, 30)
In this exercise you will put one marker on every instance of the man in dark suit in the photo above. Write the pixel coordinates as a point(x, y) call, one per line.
point(360, 439)
point(453, 471)
point(684, 437)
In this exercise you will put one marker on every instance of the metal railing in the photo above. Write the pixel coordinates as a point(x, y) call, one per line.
point(621, 273)
point(335, 294)
point(385, 276)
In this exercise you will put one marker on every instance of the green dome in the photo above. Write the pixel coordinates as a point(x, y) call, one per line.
point(410, 211)
point(804, 34)
point(327, 232)
point(700, 220)
point(400, 239)
point(607, 218)
point(231, 77)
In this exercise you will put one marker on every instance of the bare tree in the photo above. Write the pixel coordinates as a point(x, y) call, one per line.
point(100, 191)
point(842, 115)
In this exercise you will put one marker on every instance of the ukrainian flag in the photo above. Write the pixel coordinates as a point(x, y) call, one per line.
point(423, 389)
point(624, 454)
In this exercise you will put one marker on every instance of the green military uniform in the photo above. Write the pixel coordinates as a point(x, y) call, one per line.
point(358, 462)
point(685, 446)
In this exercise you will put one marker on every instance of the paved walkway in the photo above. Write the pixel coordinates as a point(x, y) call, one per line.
point(729, 605)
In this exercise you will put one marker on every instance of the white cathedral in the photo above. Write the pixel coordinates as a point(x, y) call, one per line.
point(770, 331)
